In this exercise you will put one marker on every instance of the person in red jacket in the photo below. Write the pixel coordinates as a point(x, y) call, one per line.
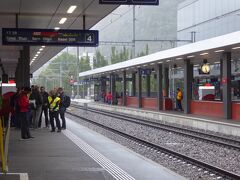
point(109, 98)
point(23, 103)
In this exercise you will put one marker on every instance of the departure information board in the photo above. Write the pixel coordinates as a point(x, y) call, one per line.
point(130, 2)
point(14, 36)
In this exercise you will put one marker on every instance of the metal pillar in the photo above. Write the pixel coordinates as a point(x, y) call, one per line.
point(124, 98)
point(134, 84)
point(188, 78)
point(78, 64)
point(133, 40)
point(159, 87)
point(103, 84)
point(139, 79)
point(113, 88)
point(166, 81)
point(226, 85)
point(23, 68)
point(110, 83)
point(148, 85)
point(221, 76)
point(60, 74)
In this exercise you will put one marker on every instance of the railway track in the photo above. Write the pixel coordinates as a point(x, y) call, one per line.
point(221, 173)
point(213, 139)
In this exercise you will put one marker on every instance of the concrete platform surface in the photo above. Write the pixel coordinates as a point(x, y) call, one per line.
point(135, 165)
point(79, 154)
point(228, 127)
point(52, 156)
point(14, 176)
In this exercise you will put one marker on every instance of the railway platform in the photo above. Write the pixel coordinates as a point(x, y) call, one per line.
point(77, 153)
point(227, 127)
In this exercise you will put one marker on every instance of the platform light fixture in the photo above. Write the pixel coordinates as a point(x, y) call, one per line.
point(236, 47)
point(43, 46)
point(160, 62)
point(204, 54)
point(168, 60)
point(190, 56)
point(36, 55)
point(196, 65)
point(220, 50)
point(71, 9)
point(40, 49)
point(152, 63)
point(38, 52)
point(217, 62)
point(179, 58)
point(63, 20)
point(56, 28)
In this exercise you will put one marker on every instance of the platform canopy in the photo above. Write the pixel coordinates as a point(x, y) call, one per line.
point(45, 14)
point(210, 49)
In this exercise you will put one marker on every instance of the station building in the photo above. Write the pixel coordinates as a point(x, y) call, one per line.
point(191, 65)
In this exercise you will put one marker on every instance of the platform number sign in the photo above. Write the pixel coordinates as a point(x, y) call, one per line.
point(130, 2)
point(62, 37)
point(89, 38)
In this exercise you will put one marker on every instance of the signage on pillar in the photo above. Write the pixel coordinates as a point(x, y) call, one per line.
point(145, 71)
point(4, 78)
point(65, 37)
point(224, 80)
point(130, 2)
point(93, 79)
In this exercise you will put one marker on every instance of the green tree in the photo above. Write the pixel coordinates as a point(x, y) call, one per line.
point(117, 57)
point(114, 55)
point(60, 68)
point(144, 52)
point(99, 60)
point(85, 64)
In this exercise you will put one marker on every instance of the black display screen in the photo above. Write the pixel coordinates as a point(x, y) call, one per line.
point(14, 36)
point(130, 2)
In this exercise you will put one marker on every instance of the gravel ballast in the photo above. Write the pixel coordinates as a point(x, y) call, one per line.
point(225, 158)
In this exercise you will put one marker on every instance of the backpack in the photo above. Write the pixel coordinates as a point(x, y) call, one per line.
point(67, 101)
point(16, 105)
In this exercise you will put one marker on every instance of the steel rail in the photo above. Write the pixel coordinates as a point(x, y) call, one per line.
point(223, 141)
point(204, 165)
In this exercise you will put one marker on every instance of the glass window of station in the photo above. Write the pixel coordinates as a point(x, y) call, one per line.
point(207, 79)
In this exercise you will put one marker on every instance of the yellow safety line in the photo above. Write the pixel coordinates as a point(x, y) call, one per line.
point(2, 147)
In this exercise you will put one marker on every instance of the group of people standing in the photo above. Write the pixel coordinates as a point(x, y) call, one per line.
point(30, 103)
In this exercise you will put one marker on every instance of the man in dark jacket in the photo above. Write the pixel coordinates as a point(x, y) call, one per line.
point(37, 109)
point(62, 107)
point(44, 95)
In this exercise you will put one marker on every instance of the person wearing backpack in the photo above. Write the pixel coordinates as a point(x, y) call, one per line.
point(64, 104)
point(53, 105)
point(15, 106)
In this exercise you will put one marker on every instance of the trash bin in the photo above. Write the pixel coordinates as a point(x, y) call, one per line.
point(167, 103)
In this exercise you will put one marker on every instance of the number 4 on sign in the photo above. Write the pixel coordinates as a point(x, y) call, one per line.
point(89, 38)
